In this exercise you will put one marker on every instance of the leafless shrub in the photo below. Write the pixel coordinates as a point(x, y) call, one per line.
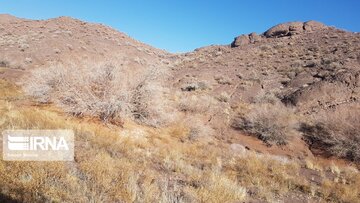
point(335, 132)
point(267, 97)
point(99, 91)
point(223, 97)
point(107, 91)
point(150, 105)
point(223, 80)
point(272, 123)
point(195, 103)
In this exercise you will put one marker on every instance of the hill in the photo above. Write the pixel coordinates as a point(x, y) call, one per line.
point(269, 117)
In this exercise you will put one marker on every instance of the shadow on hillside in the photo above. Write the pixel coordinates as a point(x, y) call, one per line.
point(7, 199)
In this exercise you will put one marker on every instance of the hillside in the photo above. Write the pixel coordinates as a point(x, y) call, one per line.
point(273, 116)
point(27, 44)
point(314, 71)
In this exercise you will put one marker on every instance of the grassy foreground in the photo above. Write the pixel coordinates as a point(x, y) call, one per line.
point(136, 163)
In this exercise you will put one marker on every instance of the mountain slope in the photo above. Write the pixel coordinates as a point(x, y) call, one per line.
point(314, 71)
point(25, 44)
point(269, 117)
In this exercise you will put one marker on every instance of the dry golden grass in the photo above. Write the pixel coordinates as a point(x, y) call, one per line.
point(8, 90)
point(309, 164)
point(143, 164)
point(336, 191)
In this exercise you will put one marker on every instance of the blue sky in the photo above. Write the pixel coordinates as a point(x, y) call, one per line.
point(183, 25)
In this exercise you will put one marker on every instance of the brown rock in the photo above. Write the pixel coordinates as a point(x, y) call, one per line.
point(291, 28)
point(284, 29)
point(254, 37)
point(240, 41)
point(313, 25)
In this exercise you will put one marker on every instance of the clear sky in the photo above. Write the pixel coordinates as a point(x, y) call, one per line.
point(183, 25)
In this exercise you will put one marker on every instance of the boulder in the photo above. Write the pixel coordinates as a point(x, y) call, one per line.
point(246, 39)
point(240, 41)
point(292, 28)
point(313, 25)
point(254, 37)
point(296, 28)
point(284, 29)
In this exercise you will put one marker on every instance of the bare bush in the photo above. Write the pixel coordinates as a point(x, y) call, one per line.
point(150, 103)
point(335, 132)
point(223, 80)
point(267, 97)
point(195, 103)
point(272, 123)
point(107, 91)
point(223, 97)
point(94, 91)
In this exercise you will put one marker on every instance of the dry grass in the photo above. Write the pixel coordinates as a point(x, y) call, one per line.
point(8, 91)
point(336, 132)
point(107, 166)
point(272, 123)
point(336, 191)
point(195, 103)
point(142, 164)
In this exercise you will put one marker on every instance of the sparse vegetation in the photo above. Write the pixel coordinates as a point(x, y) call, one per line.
point(156, 166)
point(272, 123)
point(223, 80)
point(195, 103)
point(223, 97)
point(336, 132)
point(98, 91)
point(104, 90)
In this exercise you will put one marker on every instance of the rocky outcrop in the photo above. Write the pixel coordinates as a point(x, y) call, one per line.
point(280, 30)
point(313, 26)
point(292, 28)
point(254, 37)
point(240, 40)
point(284, 29)
point(246, 39)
